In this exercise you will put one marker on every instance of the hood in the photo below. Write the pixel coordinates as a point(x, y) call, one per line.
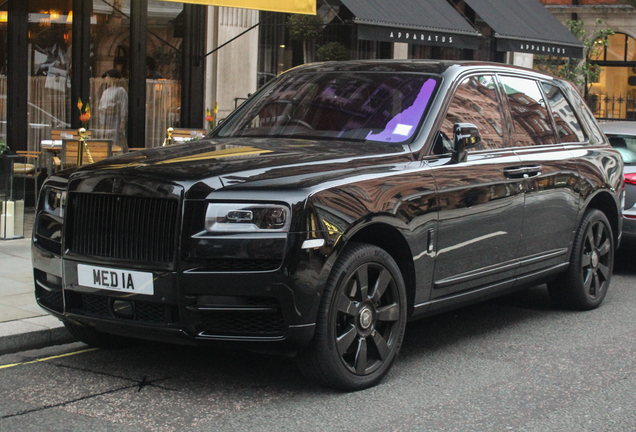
point(238, 161)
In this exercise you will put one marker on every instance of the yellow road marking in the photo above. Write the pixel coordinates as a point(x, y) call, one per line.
point(48, 358)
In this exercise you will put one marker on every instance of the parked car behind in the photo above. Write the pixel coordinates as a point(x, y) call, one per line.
point(622, 136)
point(338, 202)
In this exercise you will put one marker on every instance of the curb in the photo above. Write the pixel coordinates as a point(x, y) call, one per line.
point(32, 333)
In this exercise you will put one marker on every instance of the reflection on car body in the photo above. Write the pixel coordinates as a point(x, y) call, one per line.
point(338, 202)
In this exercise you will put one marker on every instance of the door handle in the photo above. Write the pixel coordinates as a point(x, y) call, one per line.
point(533, 171)
point(522, 172)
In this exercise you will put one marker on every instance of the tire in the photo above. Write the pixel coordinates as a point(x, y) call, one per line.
point(96, 339)
point(360, 323)
point(584, 284)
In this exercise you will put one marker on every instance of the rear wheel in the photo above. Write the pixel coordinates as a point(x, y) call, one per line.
point(585, 283)
point(94, 338)
point(361, 321)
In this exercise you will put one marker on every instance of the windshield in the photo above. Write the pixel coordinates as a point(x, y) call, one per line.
point(380, 107)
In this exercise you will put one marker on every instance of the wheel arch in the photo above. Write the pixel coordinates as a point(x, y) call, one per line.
point(604, 202)
point(393, 242)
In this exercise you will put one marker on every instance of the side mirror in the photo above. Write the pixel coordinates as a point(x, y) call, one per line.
point(465, 136)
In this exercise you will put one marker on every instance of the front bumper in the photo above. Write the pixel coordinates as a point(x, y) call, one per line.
point(266, 310)
point(629, 227)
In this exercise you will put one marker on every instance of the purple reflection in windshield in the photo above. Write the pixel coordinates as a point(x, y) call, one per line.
point(402, 126)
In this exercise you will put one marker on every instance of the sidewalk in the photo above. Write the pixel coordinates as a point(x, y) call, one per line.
point(23, 324)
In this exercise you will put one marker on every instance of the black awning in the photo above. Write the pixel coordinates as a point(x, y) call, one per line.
point(424, 22)
point(527, 26)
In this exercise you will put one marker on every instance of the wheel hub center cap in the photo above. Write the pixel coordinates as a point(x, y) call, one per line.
point(366, 318)
point(594, 259)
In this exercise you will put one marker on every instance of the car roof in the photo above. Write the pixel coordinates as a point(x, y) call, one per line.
point(619, 127)
point(414, 65)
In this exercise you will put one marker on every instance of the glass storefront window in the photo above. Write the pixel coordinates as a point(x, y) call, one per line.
point(616, 48)
point(163, 69)
point(3, 72)
point(631, 49)
point(614, 93)
point(610, 93)
point(50, 41)
point(621, 47)
point(110, 33)
point(110, 36)
point(275, 53)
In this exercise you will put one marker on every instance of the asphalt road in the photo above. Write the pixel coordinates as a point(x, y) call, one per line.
point(513, 364)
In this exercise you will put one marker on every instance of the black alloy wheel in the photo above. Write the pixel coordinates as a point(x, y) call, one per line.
point(596, 260)
point(361, 322)
point(584, 285)
point(366, 319)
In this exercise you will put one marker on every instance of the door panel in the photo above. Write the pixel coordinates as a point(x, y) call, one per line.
point(480, 203)
point(480, 218)
point(551, 206)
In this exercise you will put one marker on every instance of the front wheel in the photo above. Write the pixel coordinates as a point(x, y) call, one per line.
point(360, 323)
point(585, 283)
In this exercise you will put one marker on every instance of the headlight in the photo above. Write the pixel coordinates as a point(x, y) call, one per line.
point(247, 218)
point(54, 201)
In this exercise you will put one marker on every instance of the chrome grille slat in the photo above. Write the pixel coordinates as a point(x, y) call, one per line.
point(123, 227)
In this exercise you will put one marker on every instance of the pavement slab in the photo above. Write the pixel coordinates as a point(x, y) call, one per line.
point(23, 324)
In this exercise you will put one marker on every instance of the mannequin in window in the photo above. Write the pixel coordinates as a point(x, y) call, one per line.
point(113, 109)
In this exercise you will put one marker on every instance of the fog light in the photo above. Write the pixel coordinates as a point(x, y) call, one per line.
point(123, 309)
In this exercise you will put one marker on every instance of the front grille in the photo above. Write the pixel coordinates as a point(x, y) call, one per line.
point(145, 312)
point(96, 305)
point(53, 300)
point(239, 316)
point(150, 312)
point(242, 323)
point(123, 227)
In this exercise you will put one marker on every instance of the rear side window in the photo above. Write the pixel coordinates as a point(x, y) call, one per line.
point(476, 102)
point(568, 126)
point(532, 124)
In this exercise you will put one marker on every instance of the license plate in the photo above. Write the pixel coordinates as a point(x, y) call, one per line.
point(134, 282)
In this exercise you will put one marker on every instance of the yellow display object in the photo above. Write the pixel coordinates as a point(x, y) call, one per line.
point(289, 6)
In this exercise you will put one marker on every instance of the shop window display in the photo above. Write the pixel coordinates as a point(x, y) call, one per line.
point(614, 94)
point(50, 42)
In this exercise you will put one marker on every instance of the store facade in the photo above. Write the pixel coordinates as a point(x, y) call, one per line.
point(613, 96)
point(145, 65)
point(510, 31)
point(131, 63)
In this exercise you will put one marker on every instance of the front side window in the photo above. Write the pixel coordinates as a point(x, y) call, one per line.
point(476, 102)
point(379, 107)
point(568, 126)
point(532, 124)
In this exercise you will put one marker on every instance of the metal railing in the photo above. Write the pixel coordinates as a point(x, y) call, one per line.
point(615, 107)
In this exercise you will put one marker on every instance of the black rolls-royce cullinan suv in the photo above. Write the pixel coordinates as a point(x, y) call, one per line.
point(337, 203)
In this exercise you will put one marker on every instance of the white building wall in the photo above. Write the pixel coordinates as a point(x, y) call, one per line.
point(231, 72)
point(520, 59)
point(620, 18)
point(400, 50)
